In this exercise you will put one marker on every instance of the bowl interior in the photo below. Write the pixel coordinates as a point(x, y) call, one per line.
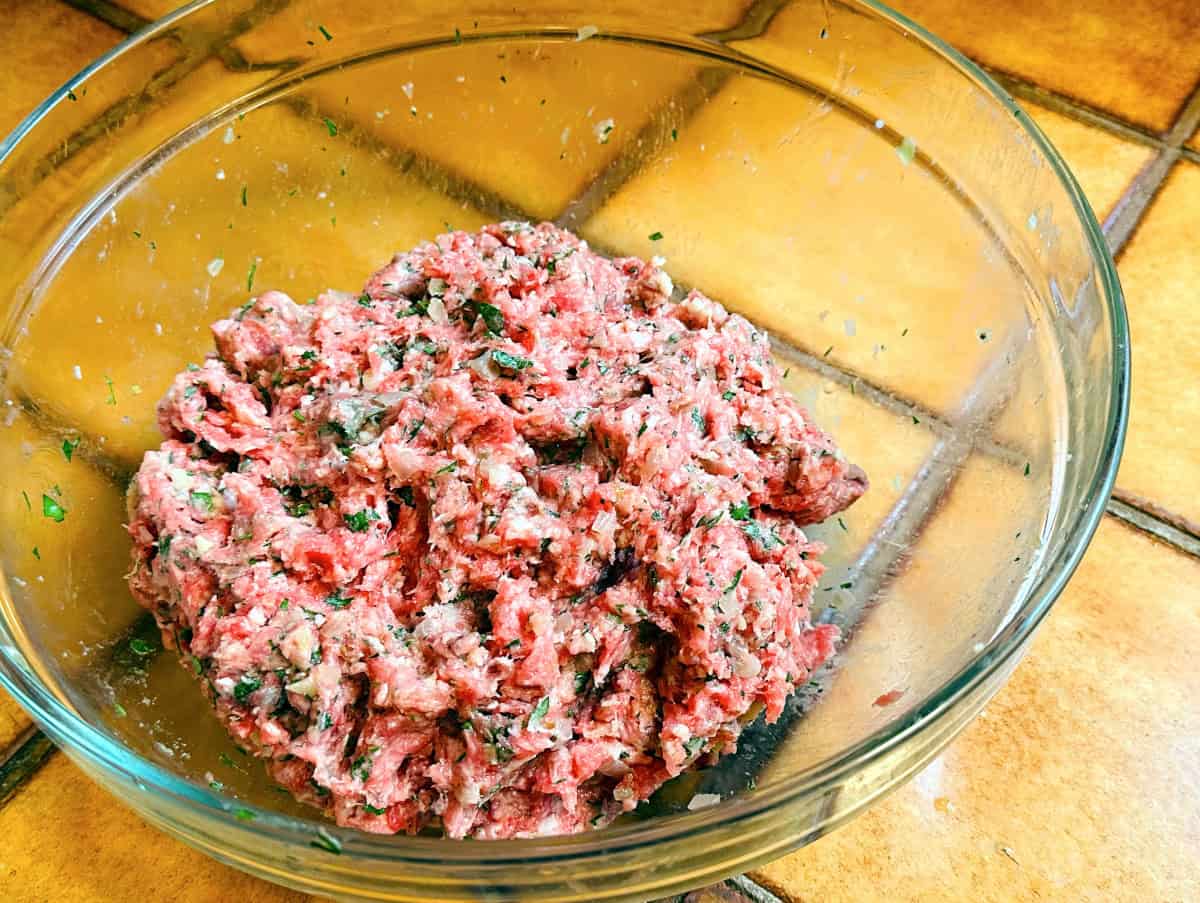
point(921, 267)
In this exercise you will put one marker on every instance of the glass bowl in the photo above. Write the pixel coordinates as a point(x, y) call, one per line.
point(928, 269)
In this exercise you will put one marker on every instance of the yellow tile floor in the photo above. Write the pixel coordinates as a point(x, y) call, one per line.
point(1079, 782)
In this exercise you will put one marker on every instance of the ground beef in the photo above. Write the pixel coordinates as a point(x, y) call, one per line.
point(499, 545)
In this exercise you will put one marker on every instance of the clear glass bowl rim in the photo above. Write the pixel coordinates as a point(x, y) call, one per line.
point(78, 736)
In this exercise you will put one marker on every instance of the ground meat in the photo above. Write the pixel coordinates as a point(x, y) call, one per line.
point(499, 545)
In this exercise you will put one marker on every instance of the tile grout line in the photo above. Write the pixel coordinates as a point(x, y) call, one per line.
point(1159, 525)
point(748, 887)
point(24, 760)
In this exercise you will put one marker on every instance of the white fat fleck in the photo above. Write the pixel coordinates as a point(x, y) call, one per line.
point(1032, 222)
point(379, 114)
point(220, 175)
point(407, 88)
point(703, 801)
point(77, 372)
point(204, 545)
point(851, 328)
point(224, 685)
point(256, 615)
point(228, 136)
point(99, 319)
point(879, 123)
point(164, 749)
point(214, 266)
point(658, 261)
point(158, 328)
point(587, 31)
point(565, 136)
point(603, 129)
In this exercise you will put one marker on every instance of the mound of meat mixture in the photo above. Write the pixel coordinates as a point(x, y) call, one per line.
point(499, 545)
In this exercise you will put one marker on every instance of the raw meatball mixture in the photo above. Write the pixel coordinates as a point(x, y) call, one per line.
point(499, 545)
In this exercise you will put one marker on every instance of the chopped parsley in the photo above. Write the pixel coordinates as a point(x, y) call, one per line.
point(493, 319)
point(733, 584)
point(246, 685)
point(698, 419)
point(842, 524)
point(244, 815)
point(449, 468)
point(364, 300)
point(539, 711)
point(729, 395)
point(406, 496)
point(765, 538)
point(112, 395)
point(373, 811)
point(37, 554)
point(68, 448)
point(327, 842)
point(656, 236)
point(244, 192)
point(52, 509)
point(1026, 468)
point(337, 600)
point(332, 126)
point(510, 361)
point(201, 500)
point(740, 511)
point(325, 33)
point(711, 520)
point(140, 647)
point(250, 275)
point(694, 745)
point(359, 521)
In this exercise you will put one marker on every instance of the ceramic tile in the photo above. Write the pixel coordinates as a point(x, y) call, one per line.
point(939, 602)
point(104, 852)
point(527, 122)
point(290, 31)
point(1078, 782)
point(14, 721)
point(1133, 58)
point(29, 72)
point(888, 446)
point(1103, 164)
point(64, 555)
point(779, 234)
point(177, 254)
point(1159, 271)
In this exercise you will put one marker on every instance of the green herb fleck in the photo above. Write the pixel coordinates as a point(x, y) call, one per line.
point(337, 600)
point(539, 711)
point(373, 811)
point(740, 511)
point(641, 429)
point(729, 395)
point(37, 554)
point(656, 236)
point(765, 538)
point(327, 842)
point(359, 521)
point(52, 509)
point(449, 468)
point(711, 520)
point(698, 420)
point(406, 496)
point(510, 361)
point(68, 448)
point(365, 300)
point(733, 584)
point(332, 126)
point(493, 318)
point(674, 134)
point(25, 495)
point(140, 646)
point(112, 395)
point(246, 685)
point(202, 500)
point(1026, 468)
point(842, 524)
point(250, 275)
point(694, 745)
point(907, 150)
point(244, 199)
point(916, 419)
point(244, 815)
point(324, 33)
point(119, 710)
